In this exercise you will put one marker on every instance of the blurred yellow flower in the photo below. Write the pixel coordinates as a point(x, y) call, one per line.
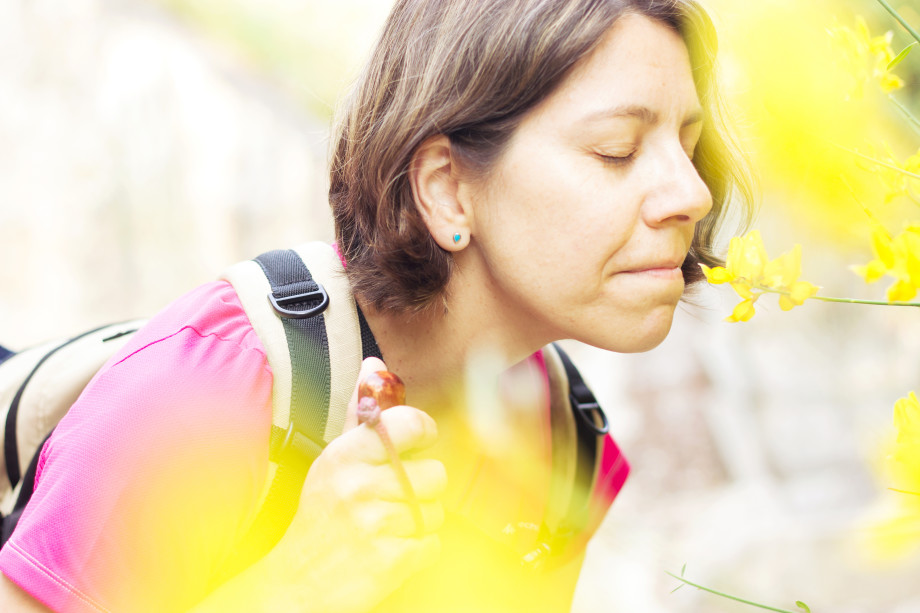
point(907, 421)
point(865, 57)
point(896, 183)
point(898, 257)
point(898, 534)
point(751, 272)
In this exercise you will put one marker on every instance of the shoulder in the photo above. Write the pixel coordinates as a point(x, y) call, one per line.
point(168, 444)
point(210, 310)
point(197, 364)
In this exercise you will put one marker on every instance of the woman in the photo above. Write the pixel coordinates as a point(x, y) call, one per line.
point(506, 173)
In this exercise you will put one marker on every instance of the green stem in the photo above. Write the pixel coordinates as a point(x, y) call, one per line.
point(900, 19)
point(843, 300)
point(730, 597)
point(875, 161)
point(906, 112)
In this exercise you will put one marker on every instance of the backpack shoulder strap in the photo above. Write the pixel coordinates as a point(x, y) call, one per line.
point(578, 426)
point(302, 308)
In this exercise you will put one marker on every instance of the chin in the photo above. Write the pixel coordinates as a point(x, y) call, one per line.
point(635, 337)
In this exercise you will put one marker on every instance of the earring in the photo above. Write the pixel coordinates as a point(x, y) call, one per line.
point(457, 238)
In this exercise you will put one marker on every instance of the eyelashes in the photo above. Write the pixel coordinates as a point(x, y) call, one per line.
point(622, 161)
point(618, 160)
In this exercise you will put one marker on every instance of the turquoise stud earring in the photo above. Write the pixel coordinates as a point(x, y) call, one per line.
point(457, 238)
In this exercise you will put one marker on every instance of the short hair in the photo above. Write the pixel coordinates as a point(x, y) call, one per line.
point(471, 70)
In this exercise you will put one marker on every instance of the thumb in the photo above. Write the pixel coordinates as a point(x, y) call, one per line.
point(368, 366)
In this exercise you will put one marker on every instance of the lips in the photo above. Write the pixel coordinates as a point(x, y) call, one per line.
point(659, 265)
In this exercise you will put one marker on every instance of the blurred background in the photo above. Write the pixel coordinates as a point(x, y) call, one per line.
point(147, 144)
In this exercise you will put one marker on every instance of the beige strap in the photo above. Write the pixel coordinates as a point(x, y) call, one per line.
point(564, 440)
point(253, 288)
point(342, 329)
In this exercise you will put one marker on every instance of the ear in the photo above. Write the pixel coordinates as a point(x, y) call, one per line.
point(434, 177)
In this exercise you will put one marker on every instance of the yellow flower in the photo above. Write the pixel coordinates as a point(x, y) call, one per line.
point(743, 311)
point(890, 82)
point(896, 184)
point(865, 57)
point(906, 455)
point(717, 275)
point(747, 256)
point(898, 257)
point(751, 272)
point(907, 421)
point(799, 292)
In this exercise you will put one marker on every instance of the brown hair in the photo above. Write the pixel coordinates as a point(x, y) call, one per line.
point(471, 70)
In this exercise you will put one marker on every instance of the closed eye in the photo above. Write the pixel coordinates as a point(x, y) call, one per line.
point(618, 160)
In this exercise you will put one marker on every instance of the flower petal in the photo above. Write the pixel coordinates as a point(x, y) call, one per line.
point(784, 270)
point(907, 418)
point(743, 288)
point(901, 291)
point(882, 245)
point(743, 311)
point(871, 272)
point(753, 258)
point(890, 82)
point(802, 291)
point(717, 275)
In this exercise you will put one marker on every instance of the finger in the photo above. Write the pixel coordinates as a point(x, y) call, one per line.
point(406, 428)
point(382, 518)
point(428, 478)
point(368, 366)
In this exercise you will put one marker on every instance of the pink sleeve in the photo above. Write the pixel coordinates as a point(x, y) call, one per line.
point(151, 478)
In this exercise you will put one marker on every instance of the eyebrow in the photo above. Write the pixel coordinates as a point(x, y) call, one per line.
point(643, 114)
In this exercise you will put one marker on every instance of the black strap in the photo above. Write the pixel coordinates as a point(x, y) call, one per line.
point(293, 285)
point(5, 354)
point(590, 424)
point(26, 490)
point(301, 300)
point(10, 444)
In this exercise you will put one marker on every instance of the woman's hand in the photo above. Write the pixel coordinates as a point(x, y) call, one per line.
point(354, 538)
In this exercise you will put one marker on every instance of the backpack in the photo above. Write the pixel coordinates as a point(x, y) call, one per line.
point(301, 306)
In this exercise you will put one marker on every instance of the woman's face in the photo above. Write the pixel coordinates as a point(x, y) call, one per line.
point(587, 216)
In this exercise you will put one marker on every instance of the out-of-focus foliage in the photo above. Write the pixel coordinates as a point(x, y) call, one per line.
point(807, 114)
point(312, 47)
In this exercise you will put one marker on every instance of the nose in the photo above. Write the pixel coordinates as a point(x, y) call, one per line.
point(680, 196)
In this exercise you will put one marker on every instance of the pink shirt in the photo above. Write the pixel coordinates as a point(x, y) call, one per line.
point(119, 521)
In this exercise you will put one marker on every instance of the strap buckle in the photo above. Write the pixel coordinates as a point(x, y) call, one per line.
point(584, 408)
point(282, 304)
point(295, 447)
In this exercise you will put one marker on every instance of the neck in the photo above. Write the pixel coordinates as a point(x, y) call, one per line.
point(433, 350)
point(476, 337)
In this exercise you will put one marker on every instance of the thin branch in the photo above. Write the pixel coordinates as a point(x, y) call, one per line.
point(730, 597)
point(900, 20)
point(908, 173)
point(771, 290)
point(914, 121)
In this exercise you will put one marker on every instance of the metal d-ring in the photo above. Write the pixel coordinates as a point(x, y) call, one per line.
point(282, 304)
point(584, 408)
